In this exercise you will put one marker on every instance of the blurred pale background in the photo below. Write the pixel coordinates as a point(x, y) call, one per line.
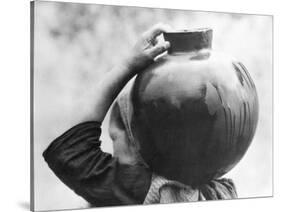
point(75, 44)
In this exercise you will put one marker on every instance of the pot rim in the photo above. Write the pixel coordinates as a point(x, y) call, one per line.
point(188, 31)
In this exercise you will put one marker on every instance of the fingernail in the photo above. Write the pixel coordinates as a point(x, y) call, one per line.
point(167, 44)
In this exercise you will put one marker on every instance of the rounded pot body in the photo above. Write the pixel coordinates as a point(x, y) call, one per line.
point(195, 114)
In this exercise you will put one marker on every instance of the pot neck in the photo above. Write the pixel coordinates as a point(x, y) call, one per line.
point(189, 40)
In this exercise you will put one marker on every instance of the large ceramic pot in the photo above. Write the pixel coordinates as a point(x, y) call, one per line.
point(195, 110)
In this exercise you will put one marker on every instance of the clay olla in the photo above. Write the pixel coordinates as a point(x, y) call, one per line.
point(195, 111)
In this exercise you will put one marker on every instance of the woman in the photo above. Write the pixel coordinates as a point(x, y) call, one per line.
point(104, 180)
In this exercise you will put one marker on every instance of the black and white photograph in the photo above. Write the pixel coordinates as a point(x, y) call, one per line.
point(139, 106)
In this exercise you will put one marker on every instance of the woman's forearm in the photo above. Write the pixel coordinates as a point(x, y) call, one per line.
point(140, 57)
point(107, 90)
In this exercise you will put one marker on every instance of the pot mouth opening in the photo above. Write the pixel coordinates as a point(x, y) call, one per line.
point(187, 40)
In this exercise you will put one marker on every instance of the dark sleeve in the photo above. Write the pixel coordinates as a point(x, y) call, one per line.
point(77, 159)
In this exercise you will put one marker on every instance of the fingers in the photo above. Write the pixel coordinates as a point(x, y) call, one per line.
point(156, 30)
point(158, 49)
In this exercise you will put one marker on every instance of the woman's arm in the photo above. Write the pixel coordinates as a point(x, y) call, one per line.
point(76, 157)
point(141, 56)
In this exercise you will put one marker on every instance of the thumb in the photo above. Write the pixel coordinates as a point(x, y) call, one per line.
point(158, 49)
